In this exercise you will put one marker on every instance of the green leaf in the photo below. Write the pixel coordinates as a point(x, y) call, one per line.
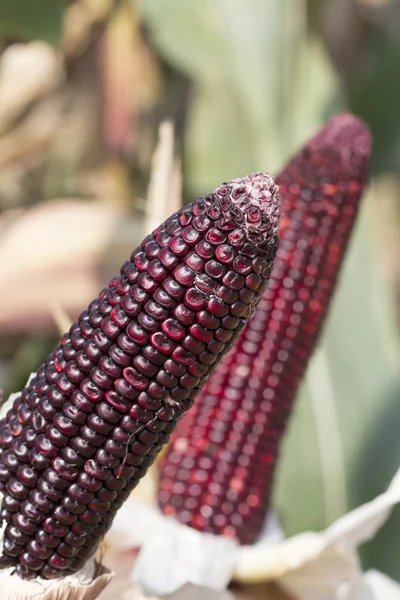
point(333, 458)
point(374, 96)
point(218, 141)
point(41, 19)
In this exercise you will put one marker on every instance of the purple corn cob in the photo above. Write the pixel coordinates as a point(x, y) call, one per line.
point(88, 425)
point(217, 474)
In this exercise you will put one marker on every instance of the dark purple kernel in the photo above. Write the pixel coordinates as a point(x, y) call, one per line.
point(73, 373)
point(105, 459)
point(206, 284)
point(146, 401)
point(168, 258)
point(29, 561)
point(174, 368)
point(147, 282)
point(183, 356)
point(198, 370)
point(90, 518)
point(117, 449)
point(195, 299)
point(126, 390)
point(88, 482)
point(59, 562)
point(214, 236)
point(27, 475)
point(183, 314)
point(96, 430)
point(56, 437)
point(144, 366)
point(215, 269)
point(119, 357)
point(184, 275)
point(193, 261)
point(75, 540)
point(39, 423)
point(130, 307)
point(31, 512)
point(188, 381)
point(82, 447)
point(107, 412)
point(139, 294)
point(11, 548)
point(190, 235)
point(95, 470)
point(226, 295)
point(156, 270)
point(193, 345)
point(24, 524)
point(201, 223)
point(109, 367)
point(155, 310)
point(55, 479)
point(92, 351)
point(16, 489)
point(63, 516)
point(205, 250)
point(117, 401)
point(233, 281)
point(173, 288)
point(49, 490)
point(91, 391)
point(137, 334)
point(73, 413)
point(65, 425)
point(173, 329)
point(10, 460)
point(163, 298)
point(77, 497)
point(140, 261)
point(41, 500)
point(64, 469)
point(147, 322)
point(17, 536)
point(154, 355)
point(66, 550)
point(162, 343)
point(178, 246)
point(127, 344)
point(200, 333)
point(21, 446)
point(64, 385)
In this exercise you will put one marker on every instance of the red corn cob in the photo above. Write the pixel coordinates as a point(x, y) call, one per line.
point(216, 476)
point(83, 432)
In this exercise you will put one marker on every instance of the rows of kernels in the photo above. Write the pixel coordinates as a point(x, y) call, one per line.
point(89, 424)
point(217, 474)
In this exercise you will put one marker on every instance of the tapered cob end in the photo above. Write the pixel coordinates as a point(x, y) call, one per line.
point(343, 145)
point(256, 205)
point(92, 419)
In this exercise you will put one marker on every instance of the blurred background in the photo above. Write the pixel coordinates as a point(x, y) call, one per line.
point(84, 87)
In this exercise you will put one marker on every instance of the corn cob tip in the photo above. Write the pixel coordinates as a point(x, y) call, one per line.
point(255, 205)
point(348, 138)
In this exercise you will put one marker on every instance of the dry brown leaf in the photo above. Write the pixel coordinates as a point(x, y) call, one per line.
point(13, 587)
point(34, 135)
point(59, 252)
point(164, 193)
point(27, 72)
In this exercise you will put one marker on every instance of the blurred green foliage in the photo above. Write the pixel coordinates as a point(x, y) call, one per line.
point(41, 19)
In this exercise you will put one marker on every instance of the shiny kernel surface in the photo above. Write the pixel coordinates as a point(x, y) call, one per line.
point(217, 474)
point(84, 431)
